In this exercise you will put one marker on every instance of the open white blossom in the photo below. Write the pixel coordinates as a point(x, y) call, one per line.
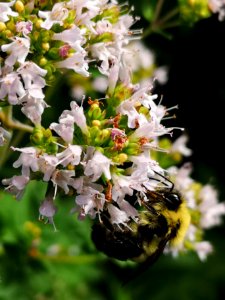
point(16, 185)
point(76, 62)
point(18, 50)
point(12, 87)
point(97, 165)
point(6, 11)
point(27, 160)
point(4, 135)
point(71, 155)
point(57, 15)
point(218, 6)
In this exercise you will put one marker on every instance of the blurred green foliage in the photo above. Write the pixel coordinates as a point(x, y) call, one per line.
point(38, 263)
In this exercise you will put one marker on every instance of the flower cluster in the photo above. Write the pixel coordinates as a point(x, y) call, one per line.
point(218, 6)
point(204, 208)
point(102, 151)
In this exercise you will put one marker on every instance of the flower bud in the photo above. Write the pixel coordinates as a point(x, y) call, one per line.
point(53, 53)
point(96, 123)
point(45, 46)
point(2, 26)
point(132, 149)
point(38, 23)
point(112, 14)
point(43, 61)
point(102, 137)
point(122, 157)
point(19, 6)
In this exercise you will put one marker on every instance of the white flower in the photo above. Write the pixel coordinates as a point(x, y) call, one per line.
point(125, 185)
point(58, 14)
point(33, 108)
point(128, 209)
point(79, 117)
point(62, 178)
point(71, 155)
point(27, 159)
point(11, 86)
point(127, 108)
point(100, 84)
point(211, 210)
point(4, 135)
point(121, 187)
point(182, 179)
point(102, 53)
point(179, 145)
point(16, 185)
point(117, 216)
point(73, 36)
point(48, 209)
point(91, 202)
point(6, 11)
point(203, 249)
point(218, 6)
point(85, 10)
point(65, 129)
point(97, 165)
point(75, 62)
point(24, 27)
point(32, 76)
point(68, 118)
point(18, 50)
point(47, 165)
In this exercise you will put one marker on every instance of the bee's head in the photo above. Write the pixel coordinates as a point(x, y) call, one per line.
point(172, 201)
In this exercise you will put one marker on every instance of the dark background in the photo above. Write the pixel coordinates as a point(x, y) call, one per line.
point(197, 84)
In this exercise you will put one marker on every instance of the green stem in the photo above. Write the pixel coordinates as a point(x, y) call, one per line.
point(169, 16)
point(6, 118)
point(158, 24)
point(4, 152)
point(79, 259)
point(170, 25)
point(158, 10)
point(9, 123)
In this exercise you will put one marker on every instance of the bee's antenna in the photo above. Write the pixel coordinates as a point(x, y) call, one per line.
point(168, 180)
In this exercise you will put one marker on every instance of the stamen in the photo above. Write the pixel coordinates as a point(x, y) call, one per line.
point(173, 107)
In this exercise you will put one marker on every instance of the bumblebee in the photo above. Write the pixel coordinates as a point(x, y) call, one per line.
point(164, 218)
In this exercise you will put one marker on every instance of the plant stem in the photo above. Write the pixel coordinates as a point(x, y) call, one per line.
point(158, 10)
point(9, 123)
point(169, 16)
point(80, 259)
point(158, 24)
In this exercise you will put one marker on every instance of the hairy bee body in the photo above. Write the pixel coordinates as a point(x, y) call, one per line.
point(163, 219)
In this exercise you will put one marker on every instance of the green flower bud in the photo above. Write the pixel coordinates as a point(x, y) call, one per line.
point(144, 110)
point(94, 132)
point(51, 148)
point(96, 123)
point(11, 26)
point(45, 36)
point(19, 6)
point(43, 61)
point(120, 158)
point(2, 26)
point(102, 137)
point(53, 53)
point(37, 135)
point(111, 14)
point(132, 149)
point(38, 23)
point(102, 38)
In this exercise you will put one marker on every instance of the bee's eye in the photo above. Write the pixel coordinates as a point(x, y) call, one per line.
point(172, 201)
